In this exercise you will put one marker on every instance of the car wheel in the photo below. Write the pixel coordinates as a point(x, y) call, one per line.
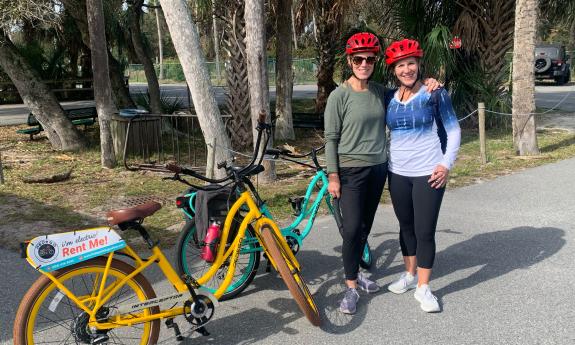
point(542, 64)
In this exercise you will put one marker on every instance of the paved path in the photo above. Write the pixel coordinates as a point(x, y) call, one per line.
point(504, 270)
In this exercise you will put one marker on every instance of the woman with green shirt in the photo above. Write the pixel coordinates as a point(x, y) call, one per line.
point(356, 157)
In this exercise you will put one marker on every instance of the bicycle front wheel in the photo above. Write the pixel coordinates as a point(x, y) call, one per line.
point(190, 262)
point(46, 315)
point(290, 275)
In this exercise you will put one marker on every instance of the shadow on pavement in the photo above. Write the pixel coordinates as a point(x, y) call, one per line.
point(498, 253)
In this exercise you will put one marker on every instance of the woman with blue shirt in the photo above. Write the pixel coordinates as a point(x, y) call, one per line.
point(424, 141)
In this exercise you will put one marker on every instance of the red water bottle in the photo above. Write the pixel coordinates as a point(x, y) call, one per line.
point(211, 242)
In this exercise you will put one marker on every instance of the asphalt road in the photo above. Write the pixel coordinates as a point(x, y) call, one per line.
point(503, 274)
point(546, 96)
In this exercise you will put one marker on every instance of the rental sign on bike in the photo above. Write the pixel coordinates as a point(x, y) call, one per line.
point(52, 252)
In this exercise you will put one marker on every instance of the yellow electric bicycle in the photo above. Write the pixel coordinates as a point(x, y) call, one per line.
point(87, 295)
point(253, 223)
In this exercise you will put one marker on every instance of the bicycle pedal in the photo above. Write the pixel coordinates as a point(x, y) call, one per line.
point(99, 338)
point(171, 324)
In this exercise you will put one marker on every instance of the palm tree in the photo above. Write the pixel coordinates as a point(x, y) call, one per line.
point(102, 86)
point(328, 16)
point(186, 41)
point(284, 73)
point(524, 137)
point(238, 94)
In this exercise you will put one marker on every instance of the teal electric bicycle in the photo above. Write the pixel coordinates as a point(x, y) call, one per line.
point(190, 247)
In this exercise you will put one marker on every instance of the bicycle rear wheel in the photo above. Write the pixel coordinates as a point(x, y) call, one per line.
point(46, 315)
point(366, 257)
point(190, 262)
point(290, 275)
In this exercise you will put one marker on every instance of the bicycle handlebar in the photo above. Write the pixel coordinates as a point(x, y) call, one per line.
point(287, 153)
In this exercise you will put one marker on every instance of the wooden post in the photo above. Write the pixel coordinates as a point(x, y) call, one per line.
point(1, 170)
point(481, 110)
point(211, 159)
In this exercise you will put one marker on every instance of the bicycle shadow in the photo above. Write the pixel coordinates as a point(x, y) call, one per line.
point(249, 326)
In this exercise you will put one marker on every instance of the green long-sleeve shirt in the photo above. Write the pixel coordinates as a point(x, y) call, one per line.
point(355, 127)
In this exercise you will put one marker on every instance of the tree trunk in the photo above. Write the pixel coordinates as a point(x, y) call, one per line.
point(39, 99)
point(121, 93)
point(327, 36)
point(160, 43)
point(216, 41)
point(524, 135)
point(284, 73)
point(238, 92)
point(102, 85)
point(140, 50)
point(187, 44)
point(257, 71)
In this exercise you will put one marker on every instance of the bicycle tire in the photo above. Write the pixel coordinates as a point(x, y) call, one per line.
point(366, 257)
point(290, 276)
point(28, 314)
point(189, 262)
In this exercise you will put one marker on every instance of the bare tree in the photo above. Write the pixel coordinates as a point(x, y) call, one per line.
point(257, 70)
point(134, 16)
point(187, 43)
point(284, 73)
point(121, 94)
point(102, 87)
point(37, 96)
point(524, 135)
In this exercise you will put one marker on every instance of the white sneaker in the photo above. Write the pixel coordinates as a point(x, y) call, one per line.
point(428, 302)
point(406, 282)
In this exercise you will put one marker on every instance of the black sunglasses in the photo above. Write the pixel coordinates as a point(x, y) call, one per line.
point(358, 60)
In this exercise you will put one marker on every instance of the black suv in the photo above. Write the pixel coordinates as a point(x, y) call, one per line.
point(551, 63)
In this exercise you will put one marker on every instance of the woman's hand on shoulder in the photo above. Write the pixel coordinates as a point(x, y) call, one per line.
point(432, 84)
point(439, 177)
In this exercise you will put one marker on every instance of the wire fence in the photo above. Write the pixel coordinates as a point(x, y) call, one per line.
point(304, 72)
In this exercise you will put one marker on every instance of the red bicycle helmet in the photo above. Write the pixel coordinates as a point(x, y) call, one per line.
point(362, 42)
point(402, 49)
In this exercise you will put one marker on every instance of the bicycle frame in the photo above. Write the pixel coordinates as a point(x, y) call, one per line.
point(101, 294)
point(308, 213)
point(253, 214)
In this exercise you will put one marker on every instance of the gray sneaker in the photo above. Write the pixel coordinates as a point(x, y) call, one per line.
point(366, 284)
point(349, 302)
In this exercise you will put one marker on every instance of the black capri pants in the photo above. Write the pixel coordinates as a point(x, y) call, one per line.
point(416, 205)
point(361, 190)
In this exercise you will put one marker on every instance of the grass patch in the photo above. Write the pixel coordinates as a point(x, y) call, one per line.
point(84, 199)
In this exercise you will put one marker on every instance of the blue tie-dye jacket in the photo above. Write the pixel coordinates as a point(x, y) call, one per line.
point(415, 146)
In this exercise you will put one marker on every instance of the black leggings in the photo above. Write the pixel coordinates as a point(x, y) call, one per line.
point(416, 205)
point(361, 190)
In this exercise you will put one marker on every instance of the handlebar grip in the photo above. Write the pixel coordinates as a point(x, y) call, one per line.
point(262, 117)
point(273, 152)
point(173, 168)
